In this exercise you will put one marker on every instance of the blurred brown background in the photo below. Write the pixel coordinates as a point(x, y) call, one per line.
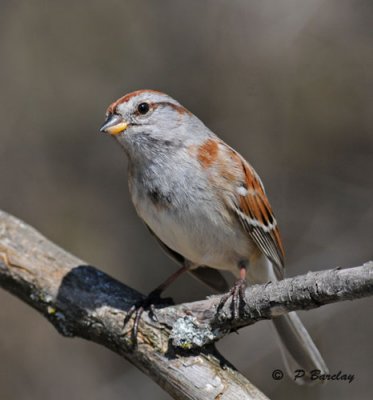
point(287, 83)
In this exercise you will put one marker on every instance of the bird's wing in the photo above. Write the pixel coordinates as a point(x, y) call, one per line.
point(208, 276)
point(250, 204)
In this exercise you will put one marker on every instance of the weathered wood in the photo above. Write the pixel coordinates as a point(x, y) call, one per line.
point(197, 324)
point(177, 351)
point(80, 300)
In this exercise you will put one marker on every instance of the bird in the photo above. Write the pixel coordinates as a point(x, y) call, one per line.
point(207, 208)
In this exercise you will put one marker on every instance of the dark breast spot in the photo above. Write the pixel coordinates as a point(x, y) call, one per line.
point(159, 199)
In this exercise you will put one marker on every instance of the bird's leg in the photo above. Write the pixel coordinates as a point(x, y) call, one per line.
point(237, 293)
point(154, 297)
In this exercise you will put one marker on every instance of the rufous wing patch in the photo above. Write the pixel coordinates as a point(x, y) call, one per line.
point(207, 153)
point(255, 212)
point(229, 164)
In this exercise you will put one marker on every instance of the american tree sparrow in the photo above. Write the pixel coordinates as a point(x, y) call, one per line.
point(205, 205)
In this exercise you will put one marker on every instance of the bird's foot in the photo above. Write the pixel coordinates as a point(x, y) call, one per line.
point(147, 304)
point(237, 294)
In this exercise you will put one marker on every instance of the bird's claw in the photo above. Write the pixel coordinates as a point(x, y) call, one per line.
point(146, 304)
point(237, 293)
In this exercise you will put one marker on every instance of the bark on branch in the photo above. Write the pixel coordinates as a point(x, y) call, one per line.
point(197, 324)
point(79, 300)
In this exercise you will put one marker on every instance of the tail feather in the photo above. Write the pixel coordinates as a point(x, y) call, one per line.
point(298, 349)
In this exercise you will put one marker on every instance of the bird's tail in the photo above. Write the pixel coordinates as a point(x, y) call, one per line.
point(297, 347)
point(299, 352)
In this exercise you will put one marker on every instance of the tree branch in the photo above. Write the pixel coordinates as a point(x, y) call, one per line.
point(197, 324)
point(80, 300)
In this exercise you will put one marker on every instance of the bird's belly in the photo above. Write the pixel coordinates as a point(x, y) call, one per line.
point(200, 238)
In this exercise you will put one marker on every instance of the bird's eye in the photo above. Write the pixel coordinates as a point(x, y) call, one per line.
point(143, 108)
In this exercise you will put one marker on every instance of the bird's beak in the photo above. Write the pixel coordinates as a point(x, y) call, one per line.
point(114, 125)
